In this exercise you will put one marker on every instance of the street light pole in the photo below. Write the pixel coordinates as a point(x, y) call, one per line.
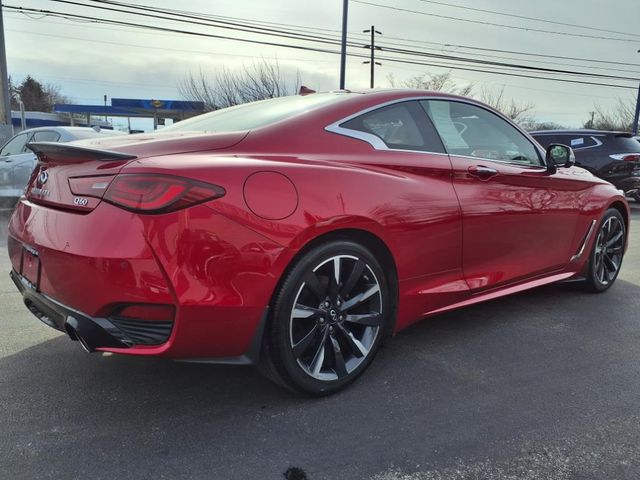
point(343, 50)
point(5, 101)
point(634, 127)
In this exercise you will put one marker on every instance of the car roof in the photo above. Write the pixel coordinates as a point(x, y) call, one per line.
point(61, 129)
point(579, 131)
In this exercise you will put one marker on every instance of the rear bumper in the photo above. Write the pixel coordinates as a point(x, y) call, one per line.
point(93, 333)
point(629, 185)
point(217, 274)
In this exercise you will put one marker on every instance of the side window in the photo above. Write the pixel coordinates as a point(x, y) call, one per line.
point(472, 131)
point(45, 136)
point(15, 145)
point(578, 142)
point(545, 139)
point(401, 126)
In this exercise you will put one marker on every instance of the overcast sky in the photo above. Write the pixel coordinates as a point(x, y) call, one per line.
point(87, 61)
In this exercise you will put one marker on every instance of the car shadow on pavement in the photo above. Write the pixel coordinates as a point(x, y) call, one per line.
point(463, 383)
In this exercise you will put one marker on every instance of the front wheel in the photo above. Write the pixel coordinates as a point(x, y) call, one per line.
point(328, 318)
point(606, 255)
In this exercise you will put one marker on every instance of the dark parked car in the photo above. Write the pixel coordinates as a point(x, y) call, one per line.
point(614, 156)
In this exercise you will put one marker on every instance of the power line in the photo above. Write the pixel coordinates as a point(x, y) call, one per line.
point(537, 55)
point(493, 24)
point(164, 49)
point(194, 19)
point(307, 28)
point(71, 16)
point(523, 17)
point(256, 24)
point(538, 61)
point(298, 47)
point(508, 74)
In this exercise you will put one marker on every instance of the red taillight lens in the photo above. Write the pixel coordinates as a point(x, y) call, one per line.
point(90, 186)
point(626, 157)
point(151, 193)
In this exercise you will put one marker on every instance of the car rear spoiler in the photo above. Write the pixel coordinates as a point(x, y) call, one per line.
point(65, 153)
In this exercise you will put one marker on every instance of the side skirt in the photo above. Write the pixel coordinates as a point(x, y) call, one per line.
point(483, 297)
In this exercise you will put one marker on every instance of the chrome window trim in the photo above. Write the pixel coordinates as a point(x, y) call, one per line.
point(506, 162)
point(377, 143)
point(584, 242)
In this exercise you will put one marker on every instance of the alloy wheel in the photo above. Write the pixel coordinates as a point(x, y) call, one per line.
point(336, 317)
point(609, 249)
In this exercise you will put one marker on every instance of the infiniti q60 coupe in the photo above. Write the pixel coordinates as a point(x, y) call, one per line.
point(297, 233)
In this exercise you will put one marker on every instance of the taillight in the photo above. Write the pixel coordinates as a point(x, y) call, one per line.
point(626, 157)
point(90, 186)
point(155, 193)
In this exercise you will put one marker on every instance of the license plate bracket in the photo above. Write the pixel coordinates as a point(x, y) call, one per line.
point(30, 266)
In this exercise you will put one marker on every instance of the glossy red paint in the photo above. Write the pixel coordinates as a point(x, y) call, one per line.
point(453, 237)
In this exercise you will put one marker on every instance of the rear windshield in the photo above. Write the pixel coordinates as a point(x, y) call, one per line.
point(628, 144)
point(90, 133)
point(255, 114)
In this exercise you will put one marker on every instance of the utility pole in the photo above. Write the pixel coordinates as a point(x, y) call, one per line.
point(5, 102)
point(373, 48)
point(634, 127)
point(343, 50)
point(105, 107)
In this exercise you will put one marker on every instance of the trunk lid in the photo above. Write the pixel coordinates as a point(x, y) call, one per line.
point(66, 172)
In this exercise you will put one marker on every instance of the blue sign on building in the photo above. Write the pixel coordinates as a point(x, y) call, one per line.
point(154, 104)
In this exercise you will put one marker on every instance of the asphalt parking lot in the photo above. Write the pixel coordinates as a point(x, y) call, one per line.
point(540, 385)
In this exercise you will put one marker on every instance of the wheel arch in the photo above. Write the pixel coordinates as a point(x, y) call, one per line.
point(624, 211)
point(366, 238)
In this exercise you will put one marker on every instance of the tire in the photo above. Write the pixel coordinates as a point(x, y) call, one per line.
point(607, 252)
point(324, 333)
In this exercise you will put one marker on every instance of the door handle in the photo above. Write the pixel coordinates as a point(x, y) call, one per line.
point(482, 172)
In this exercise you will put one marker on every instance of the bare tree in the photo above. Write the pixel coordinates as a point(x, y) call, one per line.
point(543, 125)
point(226, 88)
point(519, 112)
point(435, 82)
point(618, 117)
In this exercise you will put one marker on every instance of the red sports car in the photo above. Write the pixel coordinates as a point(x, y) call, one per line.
point(296, 233)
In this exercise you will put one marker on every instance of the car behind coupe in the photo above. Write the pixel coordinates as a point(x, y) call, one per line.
point(296, 233)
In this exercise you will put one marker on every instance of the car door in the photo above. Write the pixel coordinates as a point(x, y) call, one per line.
point(12, 154)
point(519, 221)
point(425, 214)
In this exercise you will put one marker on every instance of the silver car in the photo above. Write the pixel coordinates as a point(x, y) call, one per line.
point(17, 161)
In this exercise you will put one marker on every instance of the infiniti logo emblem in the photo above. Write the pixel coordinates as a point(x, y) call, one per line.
point(334, 314)
point(43, 177)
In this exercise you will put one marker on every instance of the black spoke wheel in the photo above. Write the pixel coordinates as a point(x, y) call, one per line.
point(607, 252)
point(328, 318)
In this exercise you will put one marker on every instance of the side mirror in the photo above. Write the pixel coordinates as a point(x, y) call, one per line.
point(559, 155)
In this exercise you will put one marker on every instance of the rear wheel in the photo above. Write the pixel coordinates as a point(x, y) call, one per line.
point(328, 318)
point(606, 255)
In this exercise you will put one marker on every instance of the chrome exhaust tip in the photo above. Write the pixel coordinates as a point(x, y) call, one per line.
point(73, 330)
